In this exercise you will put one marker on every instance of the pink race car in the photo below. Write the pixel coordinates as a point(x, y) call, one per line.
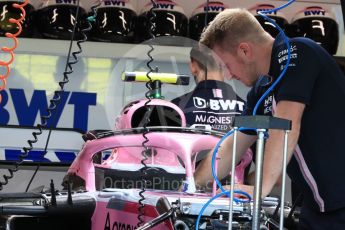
point(172, 154)
point(112, 185)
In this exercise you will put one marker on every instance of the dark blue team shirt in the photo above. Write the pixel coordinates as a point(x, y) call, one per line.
point(314, 79)
point(212, 104)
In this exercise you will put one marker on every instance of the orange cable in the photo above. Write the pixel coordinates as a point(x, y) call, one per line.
point(8, 50)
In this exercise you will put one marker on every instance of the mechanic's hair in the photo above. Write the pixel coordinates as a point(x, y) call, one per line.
point(203, 57)
point(232, 26)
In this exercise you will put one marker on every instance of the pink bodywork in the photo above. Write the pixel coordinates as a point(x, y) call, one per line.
point(177, 144)
point(125, 118)
point(126, 149)
point(126, 152)
point(124, 212)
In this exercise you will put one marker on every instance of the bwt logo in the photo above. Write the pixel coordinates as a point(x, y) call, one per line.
point(214, 8)
point(114, 3)
point(27, 109)
point(314, 12)
point(217, 105)
point(264, 11)
point(164, 6)
point(66, 1)
point(199, 102)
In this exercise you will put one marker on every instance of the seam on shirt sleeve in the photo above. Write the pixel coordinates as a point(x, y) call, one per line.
point(286, 97)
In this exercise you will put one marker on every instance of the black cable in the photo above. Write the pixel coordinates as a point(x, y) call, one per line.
point(51, 108)
point(69, 64)
point(54, 102)
point(39, 164)
point(149, 85)
point(32, 177)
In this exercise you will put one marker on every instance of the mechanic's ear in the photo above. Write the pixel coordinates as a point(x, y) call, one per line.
point(194, 68)
point(245, 51)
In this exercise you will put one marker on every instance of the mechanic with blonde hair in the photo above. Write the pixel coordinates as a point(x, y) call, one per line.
point(310, 95)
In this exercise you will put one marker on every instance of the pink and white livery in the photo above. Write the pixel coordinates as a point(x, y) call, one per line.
point(104, 185)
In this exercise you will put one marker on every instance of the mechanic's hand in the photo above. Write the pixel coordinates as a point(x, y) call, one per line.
point(245, 188)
